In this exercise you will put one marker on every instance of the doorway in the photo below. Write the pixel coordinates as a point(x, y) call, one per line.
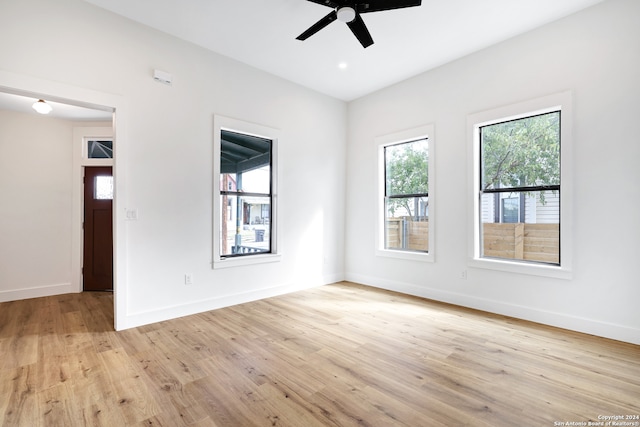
point(70, 100)
point(97, 265)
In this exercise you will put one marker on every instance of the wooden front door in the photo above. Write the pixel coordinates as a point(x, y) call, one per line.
point(97, 270)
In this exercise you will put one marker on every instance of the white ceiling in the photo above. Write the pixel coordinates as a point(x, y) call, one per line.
point(262, 33)
point(23, 102)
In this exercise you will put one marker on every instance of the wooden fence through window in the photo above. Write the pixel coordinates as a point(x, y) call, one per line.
point(407, 234)
point(531, 242)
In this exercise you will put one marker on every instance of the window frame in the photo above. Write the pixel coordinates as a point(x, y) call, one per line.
point(222, 123)
point(85, 160)
point(422, 132)
point(557, 102)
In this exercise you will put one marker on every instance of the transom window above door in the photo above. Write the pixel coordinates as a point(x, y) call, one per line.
point(99, 149)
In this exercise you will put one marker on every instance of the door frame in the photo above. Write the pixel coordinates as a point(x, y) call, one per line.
point(80, 161)
point(43, 88)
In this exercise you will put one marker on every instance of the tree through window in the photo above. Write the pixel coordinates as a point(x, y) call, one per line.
point(406, 205)
point(520, 188)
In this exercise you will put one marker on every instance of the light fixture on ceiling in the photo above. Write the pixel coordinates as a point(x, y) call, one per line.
point(346, 14)
point(42, 107)
point(351, 16)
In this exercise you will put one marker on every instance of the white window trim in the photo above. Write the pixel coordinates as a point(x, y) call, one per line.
point(421, 132)
point(234, 125)
point(560, 101)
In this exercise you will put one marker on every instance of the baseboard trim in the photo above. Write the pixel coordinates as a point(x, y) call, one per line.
point(37, 292)
point(549, 318)
point(172, 312)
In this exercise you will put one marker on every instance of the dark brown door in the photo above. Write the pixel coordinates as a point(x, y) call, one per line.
point(97, 270)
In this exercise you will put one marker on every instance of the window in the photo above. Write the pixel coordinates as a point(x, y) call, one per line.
point(520, 158)
point(521, 190)
point(406, 168)
point(245, 172)
point(96, 146)
point(99, 149)
point(103, 188)
point(405, 225)
point(510, 209)
point(245, 184)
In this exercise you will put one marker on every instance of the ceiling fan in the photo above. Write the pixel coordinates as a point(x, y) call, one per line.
point(348, 11)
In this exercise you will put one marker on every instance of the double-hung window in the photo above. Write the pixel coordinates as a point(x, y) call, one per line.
point(245, 194)
point(405, 212)
point(521, 196)
point(520, 180)
point(245, 184)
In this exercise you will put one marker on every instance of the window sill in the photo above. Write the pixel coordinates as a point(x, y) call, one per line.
point(245, 260)
point(544, 270)
point(406, 255)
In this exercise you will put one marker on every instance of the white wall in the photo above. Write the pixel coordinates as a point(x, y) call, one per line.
point(595, 54)
point(164, 154)
point(35, 207)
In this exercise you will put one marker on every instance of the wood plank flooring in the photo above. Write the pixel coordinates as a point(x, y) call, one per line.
point(339, 355)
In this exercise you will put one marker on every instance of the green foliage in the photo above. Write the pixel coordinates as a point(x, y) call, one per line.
point(520, 153)
point(407, 173)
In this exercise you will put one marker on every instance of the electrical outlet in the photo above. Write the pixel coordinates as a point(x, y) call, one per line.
point(188, 279)
point(463, 274)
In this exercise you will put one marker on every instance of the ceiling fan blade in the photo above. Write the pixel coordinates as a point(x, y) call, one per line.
point(332, 16)
point(360, 31)
point(331, 4)
point(380, 5)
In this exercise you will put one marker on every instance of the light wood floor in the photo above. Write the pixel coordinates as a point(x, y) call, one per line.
point(340, 355)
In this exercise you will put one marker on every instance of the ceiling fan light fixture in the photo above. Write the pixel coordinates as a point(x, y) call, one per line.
point(42, 107)
point(350, 15)
point(346, 14)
